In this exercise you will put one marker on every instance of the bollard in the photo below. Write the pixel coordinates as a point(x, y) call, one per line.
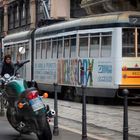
point(84, 122)
point(55, 130)
point(125, 116)
point(2, 108)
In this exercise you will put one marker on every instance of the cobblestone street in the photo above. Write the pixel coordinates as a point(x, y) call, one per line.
point(103, 121)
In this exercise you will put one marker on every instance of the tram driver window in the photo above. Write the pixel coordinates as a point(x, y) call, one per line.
point(128, 37)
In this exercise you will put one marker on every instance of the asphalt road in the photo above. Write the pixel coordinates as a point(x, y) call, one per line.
point(8, 133)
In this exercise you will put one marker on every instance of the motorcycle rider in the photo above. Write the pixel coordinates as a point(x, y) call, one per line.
point(7, 66)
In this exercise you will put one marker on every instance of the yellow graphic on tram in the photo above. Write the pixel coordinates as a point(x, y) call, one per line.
point(131, 76)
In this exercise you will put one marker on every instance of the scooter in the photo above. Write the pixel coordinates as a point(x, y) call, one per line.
point(26, 111)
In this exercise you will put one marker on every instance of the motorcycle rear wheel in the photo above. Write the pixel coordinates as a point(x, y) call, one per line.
point(45, 131)
point(14, 122)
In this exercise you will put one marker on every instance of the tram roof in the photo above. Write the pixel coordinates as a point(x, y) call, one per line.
point(100, 19)
point(12, 38)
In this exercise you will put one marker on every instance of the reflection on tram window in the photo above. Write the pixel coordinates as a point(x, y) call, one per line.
point(128, 37)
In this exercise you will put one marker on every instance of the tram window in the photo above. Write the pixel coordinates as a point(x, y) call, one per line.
point(7, 50)
point(60, 47)
point(27, 50)
point(94, 47)
point(48, 48)
point(138, 42)
point(106, 46)
point(66, 47)
point(43, 49)
point(128, 49)
point(73, 46)
point(13, 53)
point(54, 48)
point(23, 56)
point(83, 46)
point(38, 49)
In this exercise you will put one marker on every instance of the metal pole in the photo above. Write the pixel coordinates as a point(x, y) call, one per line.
point(84, 122)
point(2, 107)
point(55, 130)
point(125, 116)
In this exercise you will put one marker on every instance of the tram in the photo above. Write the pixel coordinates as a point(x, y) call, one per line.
point(101, 53)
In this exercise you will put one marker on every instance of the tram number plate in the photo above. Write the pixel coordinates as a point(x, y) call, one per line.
point(36, 104)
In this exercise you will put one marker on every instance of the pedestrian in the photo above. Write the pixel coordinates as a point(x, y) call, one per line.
point(7, 66)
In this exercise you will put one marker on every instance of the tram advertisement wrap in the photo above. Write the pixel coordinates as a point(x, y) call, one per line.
point(45, 71)
point(75, 72)
point(84, 72)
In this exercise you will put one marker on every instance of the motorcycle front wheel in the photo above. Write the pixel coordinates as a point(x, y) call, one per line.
point(44, 127)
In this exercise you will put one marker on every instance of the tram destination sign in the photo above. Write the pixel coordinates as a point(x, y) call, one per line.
point(134, 20)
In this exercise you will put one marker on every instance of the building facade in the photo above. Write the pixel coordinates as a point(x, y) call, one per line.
point(22, 15)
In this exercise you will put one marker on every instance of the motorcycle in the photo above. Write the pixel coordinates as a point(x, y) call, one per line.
point(25, 109)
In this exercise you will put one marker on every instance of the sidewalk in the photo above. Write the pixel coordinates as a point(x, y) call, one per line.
point(103, 122)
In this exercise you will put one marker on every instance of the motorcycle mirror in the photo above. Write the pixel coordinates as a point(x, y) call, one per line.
point(21, 50)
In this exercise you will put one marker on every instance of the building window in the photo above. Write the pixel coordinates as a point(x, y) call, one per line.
point(1, 19)
point(16, 15)
point(10, 17)
point(39, 9)
point(28, 16)
point(23, 14)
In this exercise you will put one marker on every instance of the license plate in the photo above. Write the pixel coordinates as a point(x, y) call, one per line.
point(36, 104)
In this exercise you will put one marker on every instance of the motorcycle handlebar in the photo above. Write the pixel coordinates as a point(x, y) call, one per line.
point(22, 63)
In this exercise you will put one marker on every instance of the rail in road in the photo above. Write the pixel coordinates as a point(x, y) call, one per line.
point(103, 122)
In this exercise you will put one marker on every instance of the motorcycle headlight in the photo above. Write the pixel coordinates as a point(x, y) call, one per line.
point(6, 76)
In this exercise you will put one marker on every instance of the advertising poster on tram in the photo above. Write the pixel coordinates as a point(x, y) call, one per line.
point(45, 71)
point(103, 73)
